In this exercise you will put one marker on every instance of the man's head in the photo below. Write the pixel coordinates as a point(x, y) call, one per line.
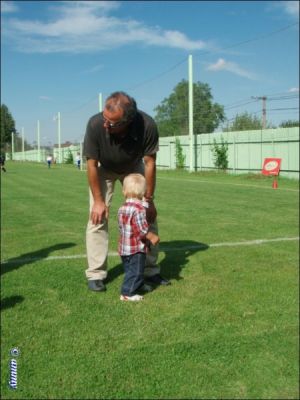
point(119, 111)
point(134, 186)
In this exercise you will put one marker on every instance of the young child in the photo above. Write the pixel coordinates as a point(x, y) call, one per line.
point(134, 237)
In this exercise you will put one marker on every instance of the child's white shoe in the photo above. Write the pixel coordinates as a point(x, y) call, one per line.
point(135, 297)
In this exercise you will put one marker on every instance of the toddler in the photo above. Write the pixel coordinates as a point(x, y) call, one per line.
point(134, 237)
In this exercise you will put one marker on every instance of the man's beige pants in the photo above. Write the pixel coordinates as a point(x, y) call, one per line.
point(97, 235)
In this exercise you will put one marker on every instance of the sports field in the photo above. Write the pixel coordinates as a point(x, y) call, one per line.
point(227, 327)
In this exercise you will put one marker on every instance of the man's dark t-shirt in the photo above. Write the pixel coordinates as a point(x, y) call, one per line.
point(120, 155)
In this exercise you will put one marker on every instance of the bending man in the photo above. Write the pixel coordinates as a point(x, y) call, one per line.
point(118, 141)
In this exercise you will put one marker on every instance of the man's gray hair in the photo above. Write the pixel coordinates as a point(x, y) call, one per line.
point(121, 100)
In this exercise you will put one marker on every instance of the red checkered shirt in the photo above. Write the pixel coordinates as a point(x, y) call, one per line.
point(133, 227)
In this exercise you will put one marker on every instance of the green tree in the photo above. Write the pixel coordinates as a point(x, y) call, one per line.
point(172, 114)
point(244, 122)
point(7, 125)
point(289, 124)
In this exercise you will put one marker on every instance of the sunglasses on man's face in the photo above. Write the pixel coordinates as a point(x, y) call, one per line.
point(115, 124)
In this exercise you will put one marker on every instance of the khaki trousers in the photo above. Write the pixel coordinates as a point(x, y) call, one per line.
point(97, 235)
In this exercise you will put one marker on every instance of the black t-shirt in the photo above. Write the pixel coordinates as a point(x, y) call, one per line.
point(120, 155)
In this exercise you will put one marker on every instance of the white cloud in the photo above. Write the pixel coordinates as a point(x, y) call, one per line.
point(85, 26)
point(45, 98)
point(294, 90)
point(8, 7)
point(93, 69)
point(291, 8)
point(223, 65)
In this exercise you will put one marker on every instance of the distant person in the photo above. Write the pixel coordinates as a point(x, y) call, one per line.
point(49, 161)
point(134, 238)
point(2, 163)
point(78, 160)
point(119, 141)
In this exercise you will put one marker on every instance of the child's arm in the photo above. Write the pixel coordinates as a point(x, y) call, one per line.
point(140, 228)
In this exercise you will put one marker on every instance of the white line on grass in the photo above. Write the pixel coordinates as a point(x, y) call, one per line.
point(225, 183)
point(229, 244)
point(162, 248)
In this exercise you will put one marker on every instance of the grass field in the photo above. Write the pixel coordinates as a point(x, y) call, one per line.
point(227, 327)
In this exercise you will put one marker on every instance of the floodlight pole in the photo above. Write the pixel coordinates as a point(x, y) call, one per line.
point(80, 149)
point(59, 137)
point(23, 145)
point(12, 145)
point(191, 106)
point(38, 141)
point(100, 102)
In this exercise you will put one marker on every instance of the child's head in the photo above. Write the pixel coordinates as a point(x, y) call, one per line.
point(134, 186)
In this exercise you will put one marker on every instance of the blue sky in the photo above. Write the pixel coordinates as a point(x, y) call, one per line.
point(58, 56)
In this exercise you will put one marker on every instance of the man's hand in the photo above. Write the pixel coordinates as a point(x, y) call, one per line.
point(99, 213)
point(151, 212)
point(153, 238)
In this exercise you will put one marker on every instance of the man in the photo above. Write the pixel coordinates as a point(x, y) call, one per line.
point(118, 141)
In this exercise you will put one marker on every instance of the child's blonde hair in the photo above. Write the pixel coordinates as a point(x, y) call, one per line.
point(134, 185)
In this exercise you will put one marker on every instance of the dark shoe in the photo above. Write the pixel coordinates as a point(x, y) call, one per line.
point(145, 289)
point(157, 280)
point(96, 286)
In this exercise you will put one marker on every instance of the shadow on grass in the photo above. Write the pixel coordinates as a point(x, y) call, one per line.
point(114, 273)
point(177, 253)
point(11, 301)
point(31, 257)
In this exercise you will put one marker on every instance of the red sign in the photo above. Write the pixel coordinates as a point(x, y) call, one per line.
point(271, 166)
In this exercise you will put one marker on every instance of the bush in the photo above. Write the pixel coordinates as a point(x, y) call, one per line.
point(180, 157)
point(69, 159)
point(220, 153)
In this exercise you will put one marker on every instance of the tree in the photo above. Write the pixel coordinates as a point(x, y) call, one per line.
point(289, 124)
point(7, 125)
point(244, 122)
point(172, 114)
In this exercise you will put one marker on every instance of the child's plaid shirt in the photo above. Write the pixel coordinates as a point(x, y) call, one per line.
point(133, 227)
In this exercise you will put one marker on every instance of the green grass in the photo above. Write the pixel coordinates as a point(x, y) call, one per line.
point(227, 327)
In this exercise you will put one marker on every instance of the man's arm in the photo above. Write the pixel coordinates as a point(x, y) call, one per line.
point(150, 176)
point(99, 209)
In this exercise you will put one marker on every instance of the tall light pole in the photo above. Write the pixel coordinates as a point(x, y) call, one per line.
point(38, 141)
point(23, 144)
point(57, 118)
point(59, 137)
point(100, 102)
point(191, 107)
point(12, 145)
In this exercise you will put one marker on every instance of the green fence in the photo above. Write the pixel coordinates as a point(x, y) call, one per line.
point(58, 155)
point(246, 150)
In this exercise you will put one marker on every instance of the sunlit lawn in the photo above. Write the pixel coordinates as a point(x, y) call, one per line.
point(226, 328)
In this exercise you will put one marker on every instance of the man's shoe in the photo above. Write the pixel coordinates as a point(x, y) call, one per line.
point(96, 285)
point(145, 288)
point(157, 280)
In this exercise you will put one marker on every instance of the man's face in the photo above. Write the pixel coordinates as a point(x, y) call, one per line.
point(113, 121)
